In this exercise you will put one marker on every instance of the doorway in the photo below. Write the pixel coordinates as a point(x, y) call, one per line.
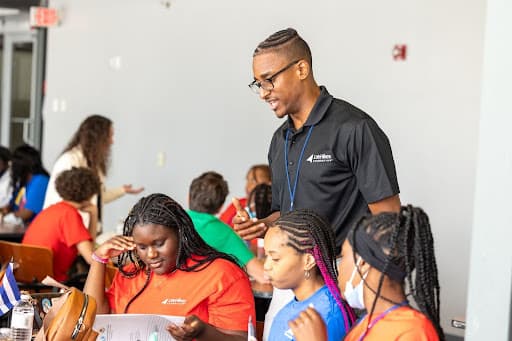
point(21, 83)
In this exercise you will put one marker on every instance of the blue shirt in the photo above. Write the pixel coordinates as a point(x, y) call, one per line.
point(31, 196)
point(323, 302)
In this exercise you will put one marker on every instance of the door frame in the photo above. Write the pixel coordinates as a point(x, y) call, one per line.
point(32, 127)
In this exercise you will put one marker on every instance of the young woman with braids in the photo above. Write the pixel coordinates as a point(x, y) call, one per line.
point(382, 254)
point(166, 268)
point(300, 252)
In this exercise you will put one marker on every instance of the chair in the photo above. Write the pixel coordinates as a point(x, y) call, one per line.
point(31, 263)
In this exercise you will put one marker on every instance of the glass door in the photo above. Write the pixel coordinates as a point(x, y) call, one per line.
point(18, 91)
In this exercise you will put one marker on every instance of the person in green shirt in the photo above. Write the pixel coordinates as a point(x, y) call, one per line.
point(207, 194)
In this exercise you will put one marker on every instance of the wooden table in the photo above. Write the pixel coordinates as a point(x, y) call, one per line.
point(11, 233)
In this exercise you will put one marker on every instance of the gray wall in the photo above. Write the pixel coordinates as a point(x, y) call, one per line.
point(180, 88)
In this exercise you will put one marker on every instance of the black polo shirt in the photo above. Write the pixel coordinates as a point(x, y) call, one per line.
point(346, 164)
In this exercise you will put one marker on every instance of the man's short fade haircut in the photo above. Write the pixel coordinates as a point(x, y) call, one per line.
point(288, 43)
point(208, 192)
point(77, 184)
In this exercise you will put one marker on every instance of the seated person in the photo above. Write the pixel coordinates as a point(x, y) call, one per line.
point(5, 177)
point(166, 268)
point(207, 193)
point(259, 206)
point(257, 174)
point(377, 259)
point(301, 255)
point(29, 179)
point(259, 201)
point(60, 226)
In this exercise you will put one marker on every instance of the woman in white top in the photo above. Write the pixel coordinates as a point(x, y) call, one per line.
point(89, 147)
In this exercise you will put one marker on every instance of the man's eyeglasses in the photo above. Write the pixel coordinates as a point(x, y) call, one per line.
point(268, 84)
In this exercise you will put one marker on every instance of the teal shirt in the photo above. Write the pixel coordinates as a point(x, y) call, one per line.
point(220, 236)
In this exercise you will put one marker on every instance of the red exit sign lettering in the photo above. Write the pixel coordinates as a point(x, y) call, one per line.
point(43, 17)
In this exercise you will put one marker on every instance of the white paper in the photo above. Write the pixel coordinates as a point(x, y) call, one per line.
point(134, 327)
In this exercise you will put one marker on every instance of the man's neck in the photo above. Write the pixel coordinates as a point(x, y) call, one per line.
point(308, 100)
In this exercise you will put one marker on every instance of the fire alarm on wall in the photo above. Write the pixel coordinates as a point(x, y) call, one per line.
point(400, 52)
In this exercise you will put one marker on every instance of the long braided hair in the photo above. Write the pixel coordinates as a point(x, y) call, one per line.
point(261, 197)
point(309, 233)
point(160, 209)
point(402, 248)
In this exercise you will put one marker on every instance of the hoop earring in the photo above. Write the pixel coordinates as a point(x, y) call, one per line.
point(307, 274)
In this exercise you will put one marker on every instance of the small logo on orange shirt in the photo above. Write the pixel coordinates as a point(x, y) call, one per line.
point(174, 301)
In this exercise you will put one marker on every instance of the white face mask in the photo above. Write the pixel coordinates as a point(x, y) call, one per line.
point(354, 296)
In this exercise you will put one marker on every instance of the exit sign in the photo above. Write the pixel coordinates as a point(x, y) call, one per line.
point(43, 17)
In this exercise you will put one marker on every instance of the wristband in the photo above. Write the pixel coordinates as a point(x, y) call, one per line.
point(99, 259)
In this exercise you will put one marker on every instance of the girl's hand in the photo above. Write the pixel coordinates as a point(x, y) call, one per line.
point(309, 326)
point(115, 246)
point(191, 328)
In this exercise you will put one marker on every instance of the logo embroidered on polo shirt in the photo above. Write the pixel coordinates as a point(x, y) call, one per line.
point(314, 158)
point(174, 301)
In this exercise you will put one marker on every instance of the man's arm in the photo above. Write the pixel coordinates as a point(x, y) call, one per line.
point(389, 204)
point(255, 269)
point(247, 228)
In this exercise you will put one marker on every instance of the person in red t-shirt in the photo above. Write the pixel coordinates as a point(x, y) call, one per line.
point(166, 268)
point(60, 227)
point(377, 259)
point(257, 174)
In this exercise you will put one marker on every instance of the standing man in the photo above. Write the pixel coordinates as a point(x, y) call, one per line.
point(328, 155)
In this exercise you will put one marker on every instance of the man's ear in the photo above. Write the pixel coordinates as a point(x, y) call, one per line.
point(309, 261)
point(304, 69)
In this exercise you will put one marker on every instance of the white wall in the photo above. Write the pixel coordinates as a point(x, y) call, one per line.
point(490, 287)
point(181, 89)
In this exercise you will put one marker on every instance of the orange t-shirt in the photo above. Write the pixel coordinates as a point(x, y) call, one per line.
point(404, 323)
point(220, 295)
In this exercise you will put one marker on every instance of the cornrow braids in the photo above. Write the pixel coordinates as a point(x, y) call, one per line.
point(287, 42)
point(309, 233)
point(162, 210)
point(405, 242)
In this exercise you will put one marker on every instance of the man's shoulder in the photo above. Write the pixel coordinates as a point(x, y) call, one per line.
point(343, 111)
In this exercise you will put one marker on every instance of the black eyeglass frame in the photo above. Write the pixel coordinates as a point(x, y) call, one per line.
point(256, 85)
